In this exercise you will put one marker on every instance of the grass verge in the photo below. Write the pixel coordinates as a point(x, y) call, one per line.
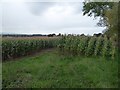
point(52, 70)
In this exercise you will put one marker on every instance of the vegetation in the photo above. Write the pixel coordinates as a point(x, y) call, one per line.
point(112, 19)
point(30, 35)
point(88, 46)
point(20, 47)
point(76, 61)
point(108, 13)
point(74, 45)
point(50, 69)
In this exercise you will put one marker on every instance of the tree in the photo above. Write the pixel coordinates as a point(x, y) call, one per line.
point(59, 34)
point(51, 35)
point(112, 19)
point(108, 13)
point(97, 9)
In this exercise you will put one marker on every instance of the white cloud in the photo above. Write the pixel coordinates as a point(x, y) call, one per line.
point(0, 18)
point(42, 0)
point(47, 18)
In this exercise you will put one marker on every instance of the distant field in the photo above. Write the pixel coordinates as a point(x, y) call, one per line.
point(49, 69)
point(36, 37)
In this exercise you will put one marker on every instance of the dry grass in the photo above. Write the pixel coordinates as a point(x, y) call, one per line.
point(26, 38)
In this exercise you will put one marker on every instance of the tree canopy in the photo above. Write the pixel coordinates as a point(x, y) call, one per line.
point(108, 13)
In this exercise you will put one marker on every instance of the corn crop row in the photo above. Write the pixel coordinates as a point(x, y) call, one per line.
point(87, 45)
point(17, 48)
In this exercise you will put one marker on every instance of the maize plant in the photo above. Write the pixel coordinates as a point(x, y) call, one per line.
point(106, 47)
point(22, 47)
point(98, 46)
point(82, 45)
point(87, 45)
point(91, 46)
point(113, 48)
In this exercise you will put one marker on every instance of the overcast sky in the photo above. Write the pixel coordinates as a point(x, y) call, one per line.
point(46, 17)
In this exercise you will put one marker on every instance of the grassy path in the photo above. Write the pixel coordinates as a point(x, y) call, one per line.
point(50, 69)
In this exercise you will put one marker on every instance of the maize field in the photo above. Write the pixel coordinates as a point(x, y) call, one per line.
point(12, 48)
point(68, 44)
point(88, 46)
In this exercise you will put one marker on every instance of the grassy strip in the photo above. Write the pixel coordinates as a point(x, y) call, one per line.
point(50, 69)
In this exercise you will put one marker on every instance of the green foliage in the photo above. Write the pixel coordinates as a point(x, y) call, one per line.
point(88, 46)
point(96, 8)
point(106, 47)
point(98, 46)
point(112, 19)
point(91, 46)
point(22, 47)
point(82, 45)
point(108, 13)
point(113, 51)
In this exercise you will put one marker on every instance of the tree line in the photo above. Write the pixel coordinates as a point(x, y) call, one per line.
point(29, 35)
